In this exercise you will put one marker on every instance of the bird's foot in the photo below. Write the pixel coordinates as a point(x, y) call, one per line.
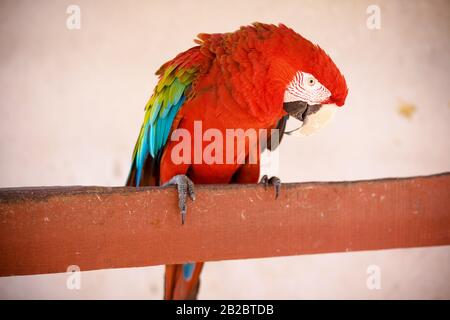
point(274, 181)
point(185, 187)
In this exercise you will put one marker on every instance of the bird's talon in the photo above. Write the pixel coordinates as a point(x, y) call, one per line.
point(265, 180)
point(185, 187)
point(274, 181)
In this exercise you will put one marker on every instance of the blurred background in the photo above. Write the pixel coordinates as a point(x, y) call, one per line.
point(71, 106)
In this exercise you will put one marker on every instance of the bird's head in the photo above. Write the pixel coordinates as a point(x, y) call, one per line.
point(310, 83)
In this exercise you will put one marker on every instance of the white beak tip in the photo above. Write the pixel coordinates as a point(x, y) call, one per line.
point(316, 121)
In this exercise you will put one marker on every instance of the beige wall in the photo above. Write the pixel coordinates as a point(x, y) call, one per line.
point(71, 105)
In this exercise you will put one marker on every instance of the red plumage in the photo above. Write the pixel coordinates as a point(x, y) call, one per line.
point(240, 82)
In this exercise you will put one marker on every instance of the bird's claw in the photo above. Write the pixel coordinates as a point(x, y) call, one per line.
point(185, 187)
point(274, 181)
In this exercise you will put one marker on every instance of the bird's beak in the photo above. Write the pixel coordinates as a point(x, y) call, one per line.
point(300, 110)
point(313, 117)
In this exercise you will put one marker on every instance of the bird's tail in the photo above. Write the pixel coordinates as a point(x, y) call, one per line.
point(182, 281)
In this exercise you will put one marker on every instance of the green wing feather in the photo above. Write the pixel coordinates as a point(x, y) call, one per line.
point(160, 111)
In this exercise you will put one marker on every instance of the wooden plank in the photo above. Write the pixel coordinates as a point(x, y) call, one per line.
point(44, 230)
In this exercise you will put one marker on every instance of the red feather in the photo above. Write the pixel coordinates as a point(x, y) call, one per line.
point(241, 84)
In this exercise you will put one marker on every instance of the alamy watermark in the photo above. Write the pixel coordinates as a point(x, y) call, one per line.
point(214, 146)
point(373, 281)
point(373, 21)
point(73, 281)
point(73, 21)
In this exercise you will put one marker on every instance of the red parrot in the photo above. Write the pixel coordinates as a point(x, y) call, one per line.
point(253, 78)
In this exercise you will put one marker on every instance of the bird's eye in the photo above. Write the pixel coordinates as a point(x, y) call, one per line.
point(311, 81)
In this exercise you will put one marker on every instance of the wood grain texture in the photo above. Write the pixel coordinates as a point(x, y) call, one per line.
point(44, 230)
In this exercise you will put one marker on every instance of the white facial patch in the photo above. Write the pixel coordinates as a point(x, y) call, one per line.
point(316, 121)
point(305, 87)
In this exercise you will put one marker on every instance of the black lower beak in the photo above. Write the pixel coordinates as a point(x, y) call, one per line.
point(296, 109)
point(300, 109)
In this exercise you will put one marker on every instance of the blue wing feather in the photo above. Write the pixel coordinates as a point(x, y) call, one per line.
point(161, 112)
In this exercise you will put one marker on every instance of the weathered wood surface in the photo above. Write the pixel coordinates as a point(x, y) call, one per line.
point(44, 230)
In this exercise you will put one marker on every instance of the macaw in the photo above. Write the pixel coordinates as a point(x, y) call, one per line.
point(255, 77)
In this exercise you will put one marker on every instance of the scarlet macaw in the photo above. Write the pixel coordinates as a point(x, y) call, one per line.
point(255, 78)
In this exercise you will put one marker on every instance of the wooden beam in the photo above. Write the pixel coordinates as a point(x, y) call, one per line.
point(44, 230)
